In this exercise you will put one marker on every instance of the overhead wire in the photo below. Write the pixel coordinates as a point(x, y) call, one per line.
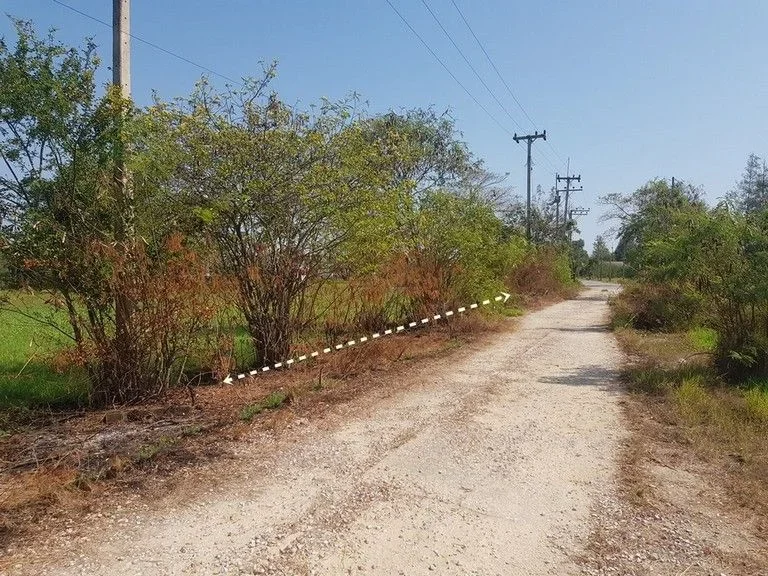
point(408, 25)
point(480, 78)
point(151, 44)
point(501, 77)
point(445, 67)
point(471, 67)
point(448, 70)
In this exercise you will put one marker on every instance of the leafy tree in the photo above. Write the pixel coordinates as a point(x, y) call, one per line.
point(600, 264)
point(55, 141)
point(626, 245)
point(421, 151)
point(63, 222)
point(600, 250)
point(290, 199)
point(447, 233)
point(579, 258)
point(49, 116)
point(751, 193)
point(644, 214)
point(545, 226)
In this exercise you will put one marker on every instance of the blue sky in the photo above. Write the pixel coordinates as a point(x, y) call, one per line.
point(628, 90)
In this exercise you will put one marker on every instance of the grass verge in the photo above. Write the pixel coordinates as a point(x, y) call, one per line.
point(724, 426)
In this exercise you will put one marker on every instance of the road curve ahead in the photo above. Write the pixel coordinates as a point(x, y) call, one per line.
point(487, 464)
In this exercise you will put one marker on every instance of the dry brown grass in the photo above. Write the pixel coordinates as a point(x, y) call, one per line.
point(60, 468)
point(683, 403)
point(690, 471)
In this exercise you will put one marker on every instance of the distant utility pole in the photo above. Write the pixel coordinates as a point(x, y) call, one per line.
point(529, 138)
point(571, 214)
point(568, 190)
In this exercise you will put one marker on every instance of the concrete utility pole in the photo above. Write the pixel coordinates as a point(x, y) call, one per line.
point(529, 139)
point(556, 202)
point(126, 233)
point(121, 78)
point(121, 46)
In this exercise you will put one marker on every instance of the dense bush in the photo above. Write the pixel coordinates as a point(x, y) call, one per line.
point(693, 260)
point(70, 231)
point(241, 212)
point(458, 254)
point(542, 271)
point(650, 306)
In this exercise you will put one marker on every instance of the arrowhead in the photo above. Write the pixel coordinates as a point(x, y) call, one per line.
point(506, 296)
point(228, 379)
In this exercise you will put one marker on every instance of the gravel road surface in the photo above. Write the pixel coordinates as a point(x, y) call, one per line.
point(488, 463)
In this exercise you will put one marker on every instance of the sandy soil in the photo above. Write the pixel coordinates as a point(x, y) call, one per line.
point(486, 464)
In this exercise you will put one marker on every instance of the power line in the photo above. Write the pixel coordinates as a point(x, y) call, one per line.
point(493, 65)
point(477, 74)
point(151, 44)
point(448, 70)
point(471, 67)
point(436, 57)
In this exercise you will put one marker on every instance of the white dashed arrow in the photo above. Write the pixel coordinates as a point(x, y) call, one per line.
point(503, 297)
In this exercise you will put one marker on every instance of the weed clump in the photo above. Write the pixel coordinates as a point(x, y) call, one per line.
point(149, 451)
point(756, 400)
point(693, 401)
point(274, 400)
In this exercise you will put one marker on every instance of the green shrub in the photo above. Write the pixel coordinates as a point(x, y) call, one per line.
point(542, 271)
point(662, 307)
point(741, 353)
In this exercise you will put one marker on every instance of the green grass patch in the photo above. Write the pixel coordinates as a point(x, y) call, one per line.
point(756, 400)
point(149, 451)
point(26, 349)
point(513, 311)
point(195, 430)
point(693, 401)
point(759, 383)
point(654, 379)
point(274, 400)
point(723, 424)
point(703, 339)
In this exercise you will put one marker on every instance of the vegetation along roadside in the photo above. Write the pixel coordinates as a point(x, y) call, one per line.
point(253, 231)
point(693, 320)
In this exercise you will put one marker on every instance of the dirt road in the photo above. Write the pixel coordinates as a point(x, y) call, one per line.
point(488, 464)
